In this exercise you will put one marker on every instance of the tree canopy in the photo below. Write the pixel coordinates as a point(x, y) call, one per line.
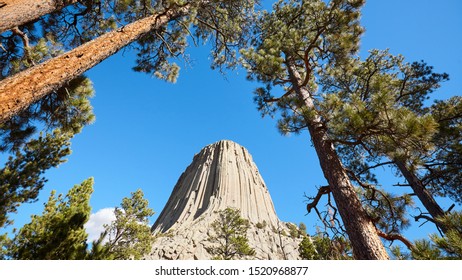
point(229, 236)
point(58, 234)
point(362, 113)
point(129, 235)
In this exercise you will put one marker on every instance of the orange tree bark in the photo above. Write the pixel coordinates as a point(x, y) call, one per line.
point(17, 12)
point(21, 90)
point(361, 231)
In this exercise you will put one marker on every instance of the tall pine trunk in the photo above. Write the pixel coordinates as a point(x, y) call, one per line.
point(360, 229)
point(422, 193)
point(21, 90)
point(18, 12)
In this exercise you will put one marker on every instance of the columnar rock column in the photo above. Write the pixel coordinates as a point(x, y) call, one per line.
point(222, 175)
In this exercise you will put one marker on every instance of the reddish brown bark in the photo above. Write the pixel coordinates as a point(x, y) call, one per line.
point(21, 90)
point(361, 231)
point(17, 12)
point(394, 236)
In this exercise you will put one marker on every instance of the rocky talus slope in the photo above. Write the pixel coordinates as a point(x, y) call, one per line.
point(222, 175)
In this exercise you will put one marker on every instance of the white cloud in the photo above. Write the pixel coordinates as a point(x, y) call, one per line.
point(94, 226)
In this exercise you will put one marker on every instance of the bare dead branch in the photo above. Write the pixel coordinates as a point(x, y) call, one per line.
point(450, 208)
point(321, 191)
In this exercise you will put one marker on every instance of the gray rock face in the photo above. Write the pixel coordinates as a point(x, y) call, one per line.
point(222, 175)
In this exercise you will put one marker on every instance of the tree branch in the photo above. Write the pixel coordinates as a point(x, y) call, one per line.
point(276, 99)
point(394, 236)
point(25, 41)
point(321, 191)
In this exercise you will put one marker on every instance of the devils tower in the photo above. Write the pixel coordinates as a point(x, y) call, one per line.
point(223, 175)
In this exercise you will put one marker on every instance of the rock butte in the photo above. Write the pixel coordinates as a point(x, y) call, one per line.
point(222, 175)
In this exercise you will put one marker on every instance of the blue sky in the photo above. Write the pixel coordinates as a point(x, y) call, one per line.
point(147, 131)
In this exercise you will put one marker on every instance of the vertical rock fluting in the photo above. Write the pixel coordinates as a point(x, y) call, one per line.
point(222, 175)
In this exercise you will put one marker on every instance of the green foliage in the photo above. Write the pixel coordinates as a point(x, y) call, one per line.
point(225, 25)
point(81, 22)
point(438, 247)
point(398, 254)
point(388, 211)
point(302, 229)
point(5, 242)
point(307, 249)
point(371, 109)
point(129, 235)
point(424, 250)
point(451, 243)
point(306, 33)
point(22, 177)
point(58, 234)
point(376, 103)
point(98, 249)
point(67, 108)
point(261, 225)
point(375, 112)
point(229, 236)
point(222, 24)
point(294, 232)
point(444, 174)
point(322, 247)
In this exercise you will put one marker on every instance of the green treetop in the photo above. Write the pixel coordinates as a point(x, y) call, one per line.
point(58, 234)
point(22, 177)
point(320, 247)
point(129, 235)
point(229, 236)
point(377, 116)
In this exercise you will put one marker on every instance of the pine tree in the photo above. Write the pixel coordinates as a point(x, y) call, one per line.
point(229, 236)
point(321, 247)
point(160, 32)
point(29, 86)
point(59, 233)
point(67, 108)
point(376, 111)
point(60, 115)
point(129, 235)
point(444, 167)
point(451, 243)
point(22, 177)
point(296, 42)
point(98, 249)
point(448, 247)
point(18, 12)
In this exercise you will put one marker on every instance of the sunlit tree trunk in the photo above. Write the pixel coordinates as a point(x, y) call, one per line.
point(21, 90)
point(17, 12)
point(360, 229)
